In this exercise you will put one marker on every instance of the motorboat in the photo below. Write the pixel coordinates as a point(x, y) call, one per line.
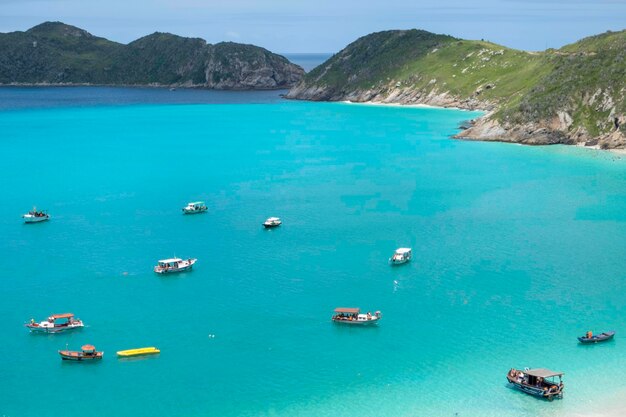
point(195, 207)
point(168, 266)
point(272, 222)
point(350, 315)
point(35, 216)
point(56, 323)
point(401, 256)
point(538, 382)
point(138, 352)
point(87, 353)
point(596, 338)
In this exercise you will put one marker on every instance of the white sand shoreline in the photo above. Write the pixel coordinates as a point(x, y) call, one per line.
point(418, 105)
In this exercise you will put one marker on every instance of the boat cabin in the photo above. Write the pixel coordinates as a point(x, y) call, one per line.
point(272, 222)
point(195, 207)
point(401, 255)
point(174, 265)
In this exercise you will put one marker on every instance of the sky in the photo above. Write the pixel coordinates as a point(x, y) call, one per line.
point(325, 26)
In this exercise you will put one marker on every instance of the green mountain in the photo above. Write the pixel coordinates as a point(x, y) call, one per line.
point(573, 95)
point(55, 53)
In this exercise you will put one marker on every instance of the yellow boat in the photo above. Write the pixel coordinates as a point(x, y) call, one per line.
point(138, 352)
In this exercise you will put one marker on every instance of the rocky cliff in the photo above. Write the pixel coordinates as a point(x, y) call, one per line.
point(574, 95)
point(57, 54)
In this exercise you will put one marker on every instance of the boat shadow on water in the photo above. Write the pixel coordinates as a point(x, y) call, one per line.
point(138, 358)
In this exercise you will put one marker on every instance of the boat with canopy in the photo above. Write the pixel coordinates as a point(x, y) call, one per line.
point(538, 382)
point(352, 315)
point(195, 207)
point(56, 323)
point(87, 353)
point(173, 265)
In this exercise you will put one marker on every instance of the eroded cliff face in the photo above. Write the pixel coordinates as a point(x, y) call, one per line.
point(246, 68)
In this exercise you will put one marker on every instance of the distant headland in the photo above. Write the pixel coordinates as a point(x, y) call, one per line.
point(573, 95)
point(54, 53)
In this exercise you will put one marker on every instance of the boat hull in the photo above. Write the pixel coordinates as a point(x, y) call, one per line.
point(393, 262)
point(548, 393)
point(52, 329)
point(371, 322)
point(603, 337)
point(271, 226)
point(29, 218)
point(69, 355)
point(186, 211)
point(138, 352)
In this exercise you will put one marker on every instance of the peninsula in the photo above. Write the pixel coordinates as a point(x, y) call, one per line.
point(54, 53)
point(572, 95)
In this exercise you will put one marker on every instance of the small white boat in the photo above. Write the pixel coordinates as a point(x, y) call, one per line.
point(56, 323)
point(350, 315)
point(35, 216)
point(272, 222)
point(400, 256)
point(195, 207)
point(172, 265)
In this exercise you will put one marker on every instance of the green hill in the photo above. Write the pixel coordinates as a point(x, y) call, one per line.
point(571, 95)
point(55, 53)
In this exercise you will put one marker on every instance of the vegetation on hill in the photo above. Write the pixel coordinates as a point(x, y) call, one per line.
point(571, 95)
point(55, 53)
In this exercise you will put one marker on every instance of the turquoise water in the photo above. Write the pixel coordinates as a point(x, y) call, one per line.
point(517, 250)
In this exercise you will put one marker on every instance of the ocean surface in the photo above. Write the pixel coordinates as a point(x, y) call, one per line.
point(517, 250)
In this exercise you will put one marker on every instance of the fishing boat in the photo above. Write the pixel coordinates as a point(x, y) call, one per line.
point(272, 222)
point(87, 353)
point(349, 315)
point(195, 207)
point(539, 382)
point(35, 216)
point(138, 352)
point(172, 265)
point(56, 323)
point(401, 256)
point(596, 338)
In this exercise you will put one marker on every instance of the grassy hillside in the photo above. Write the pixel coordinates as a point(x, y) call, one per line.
point(56, 53)
point(577, 91)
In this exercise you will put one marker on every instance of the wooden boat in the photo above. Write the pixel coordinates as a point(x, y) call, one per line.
point(272, 222)
point(138, 352)
point(538, 382)
point(596, 338)
point(349, 315)
point(401, 256)
point(195, 207)
point(172, 265)
point(35, 216)
point(56, 323)
point(87, 353)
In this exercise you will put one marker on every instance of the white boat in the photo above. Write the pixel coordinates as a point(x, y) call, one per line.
point(56, 323)
point(35, 216)
point(168, 266)
point(272, 222)
point(350, 315)
point(400, 256)
point(195, 207)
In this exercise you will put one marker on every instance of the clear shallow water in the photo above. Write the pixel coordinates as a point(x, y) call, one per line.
point(517, 251)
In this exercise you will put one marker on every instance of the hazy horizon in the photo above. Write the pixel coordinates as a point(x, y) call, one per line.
point(327, 27)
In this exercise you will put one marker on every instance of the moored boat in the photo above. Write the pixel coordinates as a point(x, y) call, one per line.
point(35, 216)
point(272, 222)
point(56, 323)
point(172, 265)
point(401, 256)
point(596, 338)
point(138, 352)
point(195, 207)
point(351, 315)
point(539, 382)
point(87, 353)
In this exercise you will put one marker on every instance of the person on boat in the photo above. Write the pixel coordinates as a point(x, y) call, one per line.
point(589, 334)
